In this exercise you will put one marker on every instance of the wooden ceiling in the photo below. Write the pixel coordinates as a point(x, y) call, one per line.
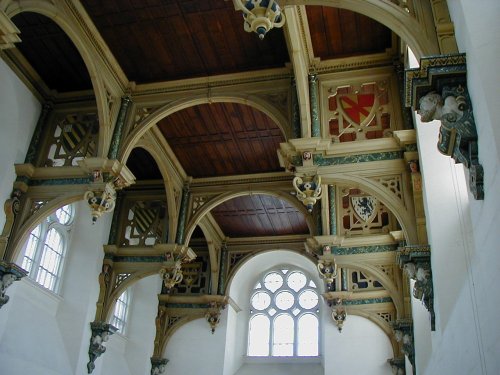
point(259, 215)
point(163, 40)
point(223, 139)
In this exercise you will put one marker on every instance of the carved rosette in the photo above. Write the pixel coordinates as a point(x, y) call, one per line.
point(100, 334)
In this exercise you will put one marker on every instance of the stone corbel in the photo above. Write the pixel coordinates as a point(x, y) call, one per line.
point(158, 365)
point(107, 176)
point(415, 261)
point(336, 302)
point(398, 366)
point(213, 313)
point(403, 332)
point(9, 272)
point(327, 268)
point(438, 91)
point(171, 269)
point(100, 334)
point(308, 190)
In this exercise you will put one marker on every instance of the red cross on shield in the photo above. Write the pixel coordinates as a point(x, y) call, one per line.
point(357, 107)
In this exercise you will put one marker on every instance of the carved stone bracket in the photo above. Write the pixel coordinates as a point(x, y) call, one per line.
point(171, 269)
point(397, 365)
point(158, 365)
point(416, 262)
point(100, 334)
point(9, 272)
point(438, 91)
point(403, 331)
point(327, 268)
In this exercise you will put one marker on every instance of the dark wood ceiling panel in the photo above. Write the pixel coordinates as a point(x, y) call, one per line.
point(339, 33)
point(51, 53)
point(142, 165)
point(173, 39)
point(259, 215)
point(223, 139)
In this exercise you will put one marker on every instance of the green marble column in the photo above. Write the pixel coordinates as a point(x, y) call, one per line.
point(113, 231)
point(117, 132)
point(179, 238)
point(313, 98)
point(332, 210)
point(222, 270)
point(295, 112)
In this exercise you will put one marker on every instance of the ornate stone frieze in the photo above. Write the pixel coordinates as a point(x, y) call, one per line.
point(438, 91)
point(9, 272)
point(100, 334)
point(416, 262)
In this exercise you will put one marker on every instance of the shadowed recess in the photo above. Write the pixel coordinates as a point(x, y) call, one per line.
point(51, 53)
point(259, 215)
point(142, 165)
point(222, 139)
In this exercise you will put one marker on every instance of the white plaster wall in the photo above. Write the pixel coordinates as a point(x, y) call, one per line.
point(44, 333)
point(361, 348)
point(464, 232)
point(194, 350)
point(281, 369)
point(17, 123)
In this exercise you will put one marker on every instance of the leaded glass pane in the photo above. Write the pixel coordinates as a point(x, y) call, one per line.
point(258, 336)
point(261, 301)
point(308, 335)
point(296, 280)
point(273, 281)
point(283, 335)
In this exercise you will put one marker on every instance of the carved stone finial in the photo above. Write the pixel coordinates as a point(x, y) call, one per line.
point(308, 190)
point(100, 334)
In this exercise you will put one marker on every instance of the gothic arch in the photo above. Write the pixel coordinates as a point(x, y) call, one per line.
point(390, 15)
point(194, 100)
point(55, 12)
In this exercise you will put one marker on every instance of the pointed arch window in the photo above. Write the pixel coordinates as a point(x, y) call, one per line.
point(46, 247)
point(284, 308)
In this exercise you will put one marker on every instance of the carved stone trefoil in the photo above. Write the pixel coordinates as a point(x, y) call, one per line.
point(9, 272)
point(438, 91)
point(100, 334)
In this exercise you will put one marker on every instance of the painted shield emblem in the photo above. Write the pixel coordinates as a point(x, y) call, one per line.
point(358, 108)
point(365, 207)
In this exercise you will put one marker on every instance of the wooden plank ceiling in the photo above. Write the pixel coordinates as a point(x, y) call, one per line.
point(259, 215)
point(223, 139)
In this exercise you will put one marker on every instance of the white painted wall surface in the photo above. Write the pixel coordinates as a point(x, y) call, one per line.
point(17, 123)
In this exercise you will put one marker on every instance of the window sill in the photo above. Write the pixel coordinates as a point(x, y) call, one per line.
point(305, 359)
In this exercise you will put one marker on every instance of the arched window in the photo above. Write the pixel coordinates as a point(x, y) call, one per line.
point(121, 311)
point(284, 310)
point(46, 247)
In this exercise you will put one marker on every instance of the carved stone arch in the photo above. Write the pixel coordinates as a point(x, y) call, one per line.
point(178, 324)
point(168, 183)
point(379, 322)
point(56, 12)
point(22, 233)
point(397, 206)
point(221, 198)
point(390, 15)
point(194, 100)
point(378, 274)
